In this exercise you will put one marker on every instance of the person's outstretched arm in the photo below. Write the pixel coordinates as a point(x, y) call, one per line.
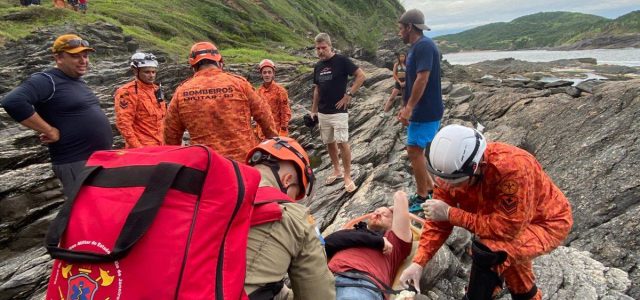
point(401, 221)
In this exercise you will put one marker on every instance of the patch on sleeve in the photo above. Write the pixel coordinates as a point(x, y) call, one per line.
point(509, 205)
point(123, 103)
point(509, 187)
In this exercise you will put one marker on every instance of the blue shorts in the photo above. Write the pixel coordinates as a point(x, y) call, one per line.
point(420, 134)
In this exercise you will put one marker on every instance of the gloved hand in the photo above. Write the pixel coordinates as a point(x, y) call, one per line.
point(411, 275)
point(436, 210)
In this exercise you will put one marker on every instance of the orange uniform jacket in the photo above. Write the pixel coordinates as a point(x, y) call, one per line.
point(139, 116)
point(514, 198)
point(216, 108)
point(278, 99)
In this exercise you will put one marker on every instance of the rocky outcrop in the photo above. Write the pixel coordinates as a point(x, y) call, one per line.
point(588, 143)
point(605, 42)
point(566, 68)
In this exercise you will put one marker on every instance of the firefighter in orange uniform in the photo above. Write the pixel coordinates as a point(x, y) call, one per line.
point(139, 105)
point(276, 96)
point(501, 194)
point(216, 107)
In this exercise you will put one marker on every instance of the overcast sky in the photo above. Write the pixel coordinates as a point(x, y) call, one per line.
point(450, 16)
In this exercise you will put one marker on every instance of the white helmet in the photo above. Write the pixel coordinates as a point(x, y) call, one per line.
point(142, 60)
point(455, 153)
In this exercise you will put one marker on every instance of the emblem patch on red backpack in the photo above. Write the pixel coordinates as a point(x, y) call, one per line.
point(81, 287)
point(88, 281)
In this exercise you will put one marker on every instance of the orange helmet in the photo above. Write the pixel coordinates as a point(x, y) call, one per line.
point(204, 50)
point(266, 63)
point(281, 148)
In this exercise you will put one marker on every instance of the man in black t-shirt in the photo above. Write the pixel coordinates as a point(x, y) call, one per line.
point(330, 102)
point(61, 107)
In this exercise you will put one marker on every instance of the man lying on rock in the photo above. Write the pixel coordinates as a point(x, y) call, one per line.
point(365, 260)
point(501, 194)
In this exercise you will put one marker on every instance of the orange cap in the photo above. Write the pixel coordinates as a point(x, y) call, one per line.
point(204, 50)
point(70, 43)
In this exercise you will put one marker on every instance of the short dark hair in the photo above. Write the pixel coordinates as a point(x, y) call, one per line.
point(206, 62)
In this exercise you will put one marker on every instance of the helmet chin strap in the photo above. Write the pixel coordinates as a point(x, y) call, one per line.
point(274, 169)
point(477, 174)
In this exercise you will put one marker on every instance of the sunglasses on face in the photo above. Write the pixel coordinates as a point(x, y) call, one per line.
point(75, 43)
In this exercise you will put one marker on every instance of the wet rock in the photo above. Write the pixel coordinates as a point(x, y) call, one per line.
point(573, 91)
point(559, 83)
point(460, 100)
point(385, 59)
point(535, 85)
point(588, 85)
point(489, 80)
point(446, 87)
point(24, 274)
point(515, 83)
point(460, 90)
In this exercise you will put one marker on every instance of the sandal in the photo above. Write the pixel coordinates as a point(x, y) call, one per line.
point(331, 179)
point(351, 187)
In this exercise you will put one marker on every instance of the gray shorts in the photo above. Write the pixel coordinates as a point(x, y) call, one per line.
point(334, 127)
point(67, 173)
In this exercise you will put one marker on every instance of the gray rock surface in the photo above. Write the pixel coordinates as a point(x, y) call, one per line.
point(588, 144)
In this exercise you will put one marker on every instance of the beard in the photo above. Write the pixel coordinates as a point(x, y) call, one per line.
point(376, 226)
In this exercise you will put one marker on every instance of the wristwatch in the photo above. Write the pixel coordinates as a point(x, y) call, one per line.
point(349, 94)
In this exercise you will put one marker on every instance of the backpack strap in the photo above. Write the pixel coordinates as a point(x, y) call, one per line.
point(53, 83)
point(136, 225)
point(269, 194)
point(267, 205)
point(267, 291)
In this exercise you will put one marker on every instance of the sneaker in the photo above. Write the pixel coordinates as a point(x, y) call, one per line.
point(415, 202)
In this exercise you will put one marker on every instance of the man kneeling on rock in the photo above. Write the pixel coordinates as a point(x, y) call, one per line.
point(282, 239)
point(501, 194)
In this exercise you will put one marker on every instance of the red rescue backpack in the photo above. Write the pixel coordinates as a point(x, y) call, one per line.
point(154, 223)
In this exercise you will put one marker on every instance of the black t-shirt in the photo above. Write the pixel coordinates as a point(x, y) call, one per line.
point(331, 77)
point(73, 109)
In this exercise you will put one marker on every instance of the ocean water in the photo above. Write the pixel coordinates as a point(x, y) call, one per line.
point(625, 57)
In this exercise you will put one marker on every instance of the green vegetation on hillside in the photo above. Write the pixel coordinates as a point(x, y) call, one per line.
point(246, 26)
point(629, 23)
point(547, 29)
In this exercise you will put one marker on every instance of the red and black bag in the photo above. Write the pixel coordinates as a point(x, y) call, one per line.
point(154, 223)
